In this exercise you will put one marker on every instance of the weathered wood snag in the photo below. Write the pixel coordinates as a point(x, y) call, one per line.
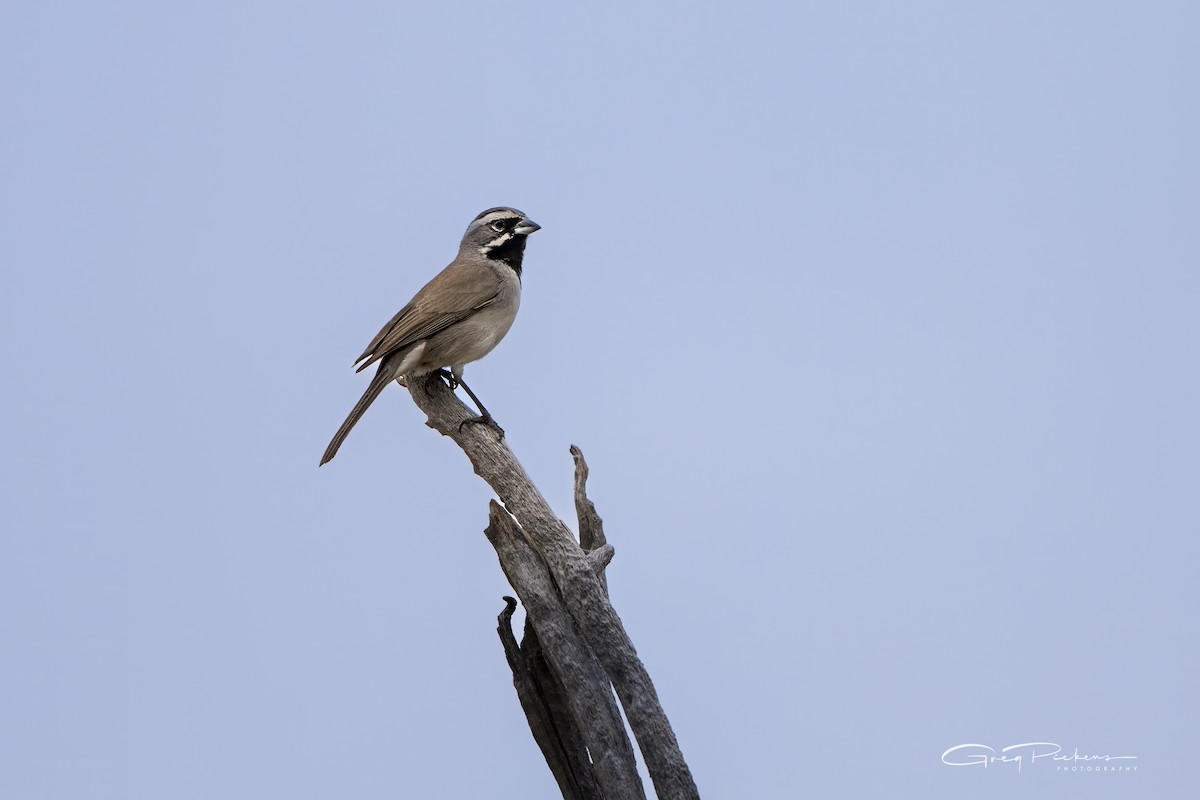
point(574, 650)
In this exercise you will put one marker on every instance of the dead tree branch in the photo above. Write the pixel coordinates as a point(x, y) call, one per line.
point(577, 578)
point(544, 700)
point(593, 718)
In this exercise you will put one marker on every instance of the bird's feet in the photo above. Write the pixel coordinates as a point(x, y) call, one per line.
point(445, 375)
point(483, 419)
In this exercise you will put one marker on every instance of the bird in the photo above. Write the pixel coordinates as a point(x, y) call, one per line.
point(456, 318)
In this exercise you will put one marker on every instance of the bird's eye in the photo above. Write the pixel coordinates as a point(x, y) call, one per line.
point(498, 225)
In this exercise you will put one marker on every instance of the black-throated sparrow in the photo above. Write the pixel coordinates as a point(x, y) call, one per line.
point(456, 318)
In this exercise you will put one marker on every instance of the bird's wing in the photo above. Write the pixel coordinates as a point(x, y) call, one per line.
point(455, 294)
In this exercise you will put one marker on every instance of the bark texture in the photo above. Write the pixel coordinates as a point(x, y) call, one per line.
point(572, 629)
point(548, 710)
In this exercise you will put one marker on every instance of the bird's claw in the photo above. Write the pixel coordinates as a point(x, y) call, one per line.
point(485, 419)
point(444, 374)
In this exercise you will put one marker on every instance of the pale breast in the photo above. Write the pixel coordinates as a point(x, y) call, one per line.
point(475, 337)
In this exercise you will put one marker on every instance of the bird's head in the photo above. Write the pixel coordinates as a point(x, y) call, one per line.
point(499, 234)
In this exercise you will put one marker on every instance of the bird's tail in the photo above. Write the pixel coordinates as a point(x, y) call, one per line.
point(382, 378)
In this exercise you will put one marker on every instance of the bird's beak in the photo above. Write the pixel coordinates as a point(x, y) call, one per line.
point(526, 227)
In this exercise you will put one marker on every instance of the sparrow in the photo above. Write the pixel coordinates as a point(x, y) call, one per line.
point(456, 318)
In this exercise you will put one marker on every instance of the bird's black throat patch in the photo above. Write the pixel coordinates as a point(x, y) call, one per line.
point(511, 252)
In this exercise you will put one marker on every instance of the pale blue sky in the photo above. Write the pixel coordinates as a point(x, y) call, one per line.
point(877, 322)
